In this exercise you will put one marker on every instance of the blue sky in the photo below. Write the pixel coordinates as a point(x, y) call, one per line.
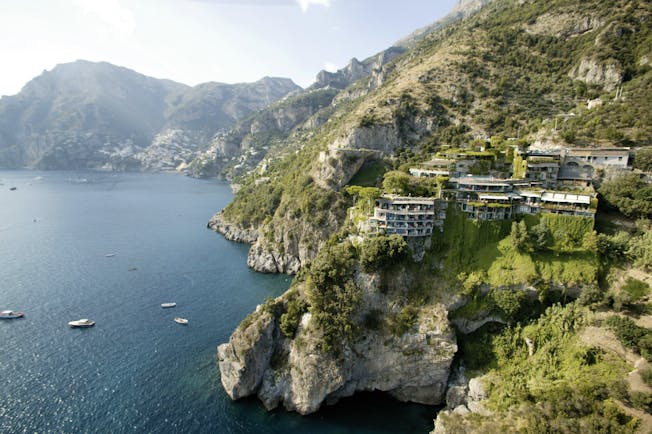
point(195, 41)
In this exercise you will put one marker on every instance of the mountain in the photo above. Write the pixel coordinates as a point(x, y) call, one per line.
point(97, 115)
point(378, 312)
point(239, 150)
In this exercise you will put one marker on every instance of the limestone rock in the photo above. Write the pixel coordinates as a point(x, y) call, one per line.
point(245, 358)
point(563, 24)
point(231, 231)
point(607, 74)
point(412, 367)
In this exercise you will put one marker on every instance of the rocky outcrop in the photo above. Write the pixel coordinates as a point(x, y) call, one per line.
point(466, 325)
point(299, 375)
point(607, 74)
point(231, 231)
point(462, 398)
point(563, 25)
point(336, 167)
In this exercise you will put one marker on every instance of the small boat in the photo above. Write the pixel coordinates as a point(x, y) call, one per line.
point(12, 188)
point(10, 314)
point(168, 305)
point(132, 269)
point(109, 255)
point(82, 323)
point(181, 321)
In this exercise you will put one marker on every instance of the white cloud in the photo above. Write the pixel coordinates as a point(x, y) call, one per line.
point(330, 67)
point(305, 4)
point(117, 17)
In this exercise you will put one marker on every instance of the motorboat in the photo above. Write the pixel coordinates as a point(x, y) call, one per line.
point(168, 305)
point(10, 314)
point(85, 322)
point(181, 321)
point(109, 255)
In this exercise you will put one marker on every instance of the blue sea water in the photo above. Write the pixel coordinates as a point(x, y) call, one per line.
point(136, 371)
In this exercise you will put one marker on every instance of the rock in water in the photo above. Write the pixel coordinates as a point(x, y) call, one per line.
point(298, 374)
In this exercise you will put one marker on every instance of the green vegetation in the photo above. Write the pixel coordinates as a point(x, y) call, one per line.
point(547, 247)
point(638, 339)
point(635, 289)
point(646, 375)
point(403, 321)
point(333, 295)
point(643, 159)
point(369, 175)
point(401, 183)
point(289, 321)
point(381, 252)
point(546, 378)
point(628, 194)
point(364, 197)
point(510, 305)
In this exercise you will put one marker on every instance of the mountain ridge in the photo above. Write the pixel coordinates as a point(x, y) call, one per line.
point(98, 115)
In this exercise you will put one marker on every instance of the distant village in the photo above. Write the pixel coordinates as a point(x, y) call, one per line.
point(487, 185)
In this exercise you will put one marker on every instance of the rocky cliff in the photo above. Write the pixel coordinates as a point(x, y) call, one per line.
point(296, 372)
point(100, 116)
point(503, 73)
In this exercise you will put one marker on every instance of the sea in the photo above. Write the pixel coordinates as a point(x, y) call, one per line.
point(111, 248)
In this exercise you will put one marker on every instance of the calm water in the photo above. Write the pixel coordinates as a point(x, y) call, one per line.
point(136, 371)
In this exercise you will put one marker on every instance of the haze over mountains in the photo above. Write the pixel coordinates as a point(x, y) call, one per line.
point(86, 115)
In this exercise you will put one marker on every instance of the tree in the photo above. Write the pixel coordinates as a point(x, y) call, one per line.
point(643, 159)
point(396, 182)
point(631, 195)
point(540, 236)
point(519, 236)
point(382, 251)
point(640, 247)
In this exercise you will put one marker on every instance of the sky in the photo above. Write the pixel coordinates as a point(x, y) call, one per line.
point(196, 41)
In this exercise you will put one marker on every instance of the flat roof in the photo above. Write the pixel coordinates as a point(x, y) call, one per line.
point(595, 151)
point(481, 180)
point(493, 197)
point(438, 162)
point(408, 199)
point(436, 171)
point(565, 198)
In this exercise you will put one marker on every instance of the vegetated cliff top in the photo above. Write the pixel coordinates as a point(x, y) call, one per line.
point(514, 69)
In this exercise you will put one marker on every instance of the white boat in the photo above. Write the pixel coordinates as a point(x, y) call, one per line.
point(181, 321)
point(167, 305)
point(109, 255)
point(10, 314)
point(85, 322)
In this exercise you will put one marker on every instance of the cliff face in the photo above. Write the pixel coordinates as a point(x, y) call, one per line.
point(298, 374)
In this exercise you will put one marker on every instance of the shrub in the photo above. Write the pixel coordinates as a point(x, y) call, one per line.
point(404, 320)
point(640, 249)
point(613, 248)
point(289, 321)
point(629, 194)
point(643, 159)
point(591, 295)
point(646, 375)
point(333, 295)
point(635, 289)
point(382, 251)
point(632, 336)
